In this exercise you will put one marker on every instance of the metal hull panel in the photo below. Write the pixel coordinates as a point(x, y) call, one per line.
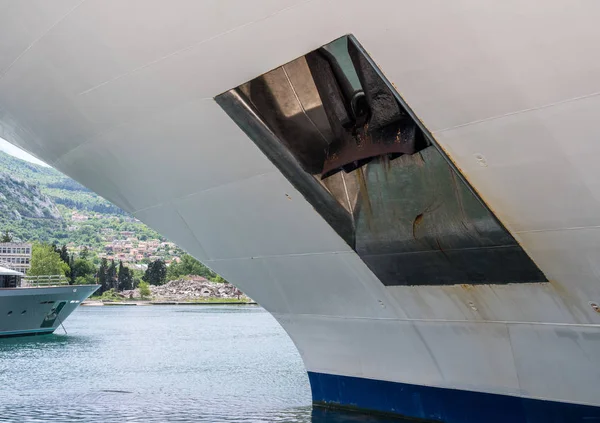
point(509, 91)
point(538, 361)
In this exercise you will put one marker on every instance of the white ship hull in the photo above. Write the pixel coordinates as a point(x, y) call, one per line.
point(39, 311)
point(120, 96)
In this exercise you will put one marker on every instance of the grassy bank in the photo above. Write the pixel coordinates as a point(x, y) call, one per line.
point(138, 301)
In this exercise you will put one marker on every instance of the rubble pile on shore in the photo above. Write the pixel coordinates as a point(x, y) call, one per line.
point(190, 289)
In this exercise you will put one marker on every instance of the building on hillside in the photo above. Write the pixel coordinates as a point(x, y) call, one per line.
point(77, 217)
point(142, 267)
point(15, 256)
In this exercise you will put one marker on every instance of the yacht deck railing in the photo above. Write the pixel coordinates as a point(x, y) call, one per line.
point(45, 280)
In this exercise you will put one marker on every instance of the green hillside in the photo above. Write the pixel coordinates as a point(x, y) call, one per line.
point(27, 212)
point(60, 188)
point(39, 203)
point(26, 171)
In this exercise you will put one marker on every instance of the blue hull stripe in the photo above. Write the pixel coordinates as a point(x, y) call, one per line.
point(440, 404)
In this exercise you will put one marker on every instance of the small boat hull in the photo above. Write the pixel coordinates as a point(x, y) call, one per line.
point(39, 311)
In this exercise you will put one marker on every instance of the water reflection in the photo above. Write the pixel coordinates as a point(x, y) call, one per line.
point(96, 413)
point(45, 342)
point(161, 364)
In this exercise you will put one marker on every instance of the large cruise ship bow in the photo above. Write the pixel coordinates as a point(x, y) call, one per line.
point(409, 187)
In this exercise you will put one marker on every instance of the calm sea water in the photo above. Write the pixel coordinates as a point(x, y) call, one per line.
point(159, 364)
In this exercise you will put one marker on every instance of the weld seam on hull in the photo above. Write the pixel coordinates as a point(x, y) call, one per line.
point(409, 320)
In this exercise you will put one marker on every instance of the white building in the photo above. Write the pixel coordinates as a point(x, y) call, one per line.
point(16, 255)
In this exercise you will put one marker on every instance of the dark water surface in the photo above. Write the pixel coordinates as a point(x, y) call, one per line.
point(159, 364)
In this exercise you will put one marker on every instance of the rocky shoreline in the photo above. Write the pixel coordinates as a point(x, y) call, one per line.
point(93, 303)
point(188, 290)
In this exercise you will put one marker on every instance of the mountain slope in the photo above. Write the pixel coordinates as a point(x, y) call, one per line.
point(60, 188)
point(26, 171)
point(38, 203)
point(25, 211)
point(20, 199)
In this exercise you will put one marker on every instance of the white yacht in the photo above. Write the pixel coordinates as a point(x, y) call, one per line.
point(411, 188)
point(36, 310)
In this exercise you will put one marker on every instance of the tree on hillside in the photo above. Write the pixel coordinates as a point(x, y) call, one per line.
point(136, 277)
point(84, 254)
point(64, 254)
point(102, 280)
point(125, 277)
point(46, 261)
point(189, 266)
point(220, 279)
point(6, 237)
point(111, 276)
point(156, 274)
point(82, 271)
point(71, 275)
point(144, 290)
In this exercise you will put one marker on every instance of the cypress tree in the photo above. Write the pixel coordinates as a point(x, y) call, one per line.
point(64, 254)
point(72, 274)
point(102, 280)
point(156, 274)
point(111, 276)
point(125, 277)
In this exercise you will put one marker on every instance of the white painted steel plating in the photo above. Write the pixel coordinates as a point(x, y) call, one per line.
point(119, 96)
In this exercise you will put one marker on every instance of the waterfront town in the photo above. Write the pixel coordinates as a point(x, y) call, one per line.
point(125, 246)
